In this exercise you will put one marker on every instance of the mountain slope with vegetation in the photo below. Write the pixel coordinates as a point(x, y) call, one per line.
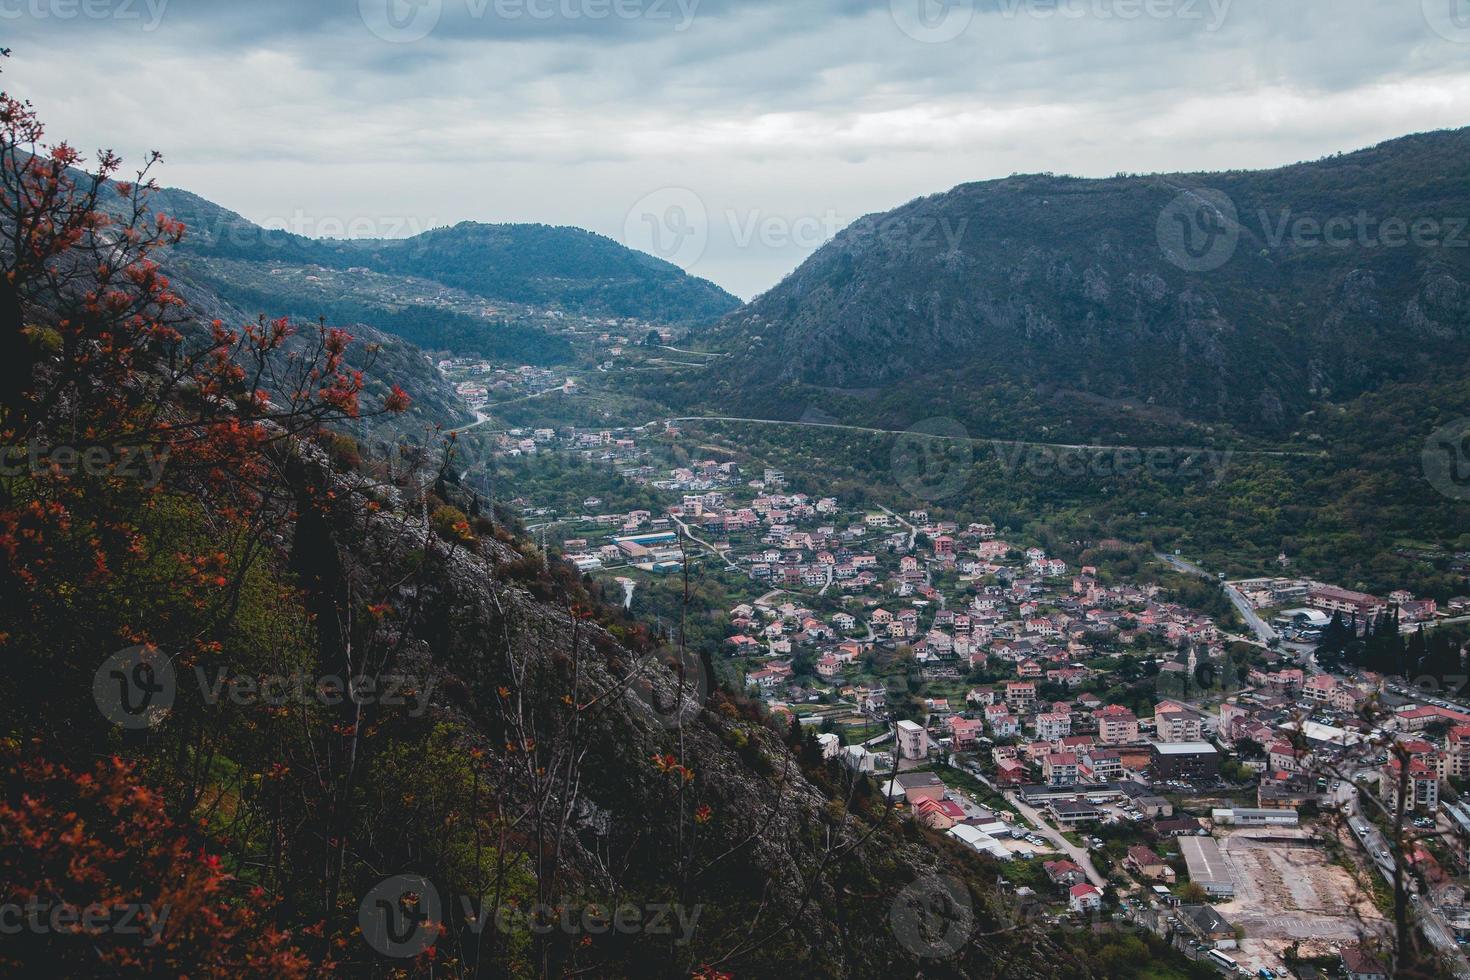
point(1147, 306)
point(537, 265)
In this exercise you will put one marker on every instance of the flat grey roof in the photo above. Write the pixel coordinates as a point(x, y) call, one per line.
point(1184, 748)
point(1206, 864)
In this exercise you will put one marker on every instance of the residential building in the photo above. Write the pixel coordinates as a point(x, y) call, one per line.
point(1059, 769)
point(1422, 785)
point(1084, 898)
point(1072, 812)
point(913, 740)
point(1116, 725)
point(938, 814)
point(1457, 752)
point(1148, 865)
point(1174, 723)
point(1021, 696)
point(916, 786)
point(1053, 725)
point(1064, 873)
point(1360, 964)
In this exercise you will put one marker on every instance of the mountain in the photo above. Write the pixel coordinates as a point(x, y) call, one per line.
point(560, 268)
point(507, 292)
point(1157, 305)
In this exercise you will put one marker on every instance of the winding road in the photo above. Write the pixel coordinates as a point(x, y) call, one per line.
point(1259, 626)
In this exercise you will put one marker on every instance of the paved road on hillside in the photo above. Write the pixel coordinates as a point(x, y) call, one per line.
point(1279, 453)
point(704, 544)
point(1259, 626)
point(913, 531)
point(984, 440)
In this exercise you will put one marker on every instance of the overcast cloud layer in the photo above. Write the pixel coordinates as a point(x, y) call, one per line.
point(732, 138)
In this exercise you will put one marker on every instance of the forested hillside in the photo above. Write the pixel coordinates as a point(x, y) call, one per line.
point(1148, 306)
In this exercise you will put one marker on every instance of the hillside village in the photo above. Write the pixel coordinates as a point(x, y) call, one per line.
point(1119, 750)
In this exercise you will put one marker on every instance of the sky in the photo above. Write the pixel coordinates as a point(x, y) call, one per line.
point(732, 138)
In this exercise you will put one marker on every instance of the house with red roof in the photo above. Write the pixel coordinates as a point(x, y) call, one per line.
point(938, 814)
point(1084, 898)
point(1064, 873)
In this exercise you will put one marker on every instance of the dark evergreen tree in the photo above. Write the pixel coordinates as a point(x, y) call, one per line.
point(1417, 656)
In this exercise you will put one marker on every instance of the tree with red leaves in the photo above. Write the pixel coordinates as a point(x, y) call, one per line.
point(99, 882)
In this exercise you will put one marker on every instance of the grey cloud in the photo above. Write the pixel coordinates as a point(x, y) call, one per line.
point(767, 109)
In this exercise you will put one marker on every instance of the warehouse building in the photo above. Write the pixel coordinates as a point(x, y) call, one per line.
point(1255, 817)
point(1207, 866)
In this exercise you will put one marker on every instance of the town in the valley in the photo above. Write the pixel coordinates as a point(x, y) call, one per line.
point(1129, 736)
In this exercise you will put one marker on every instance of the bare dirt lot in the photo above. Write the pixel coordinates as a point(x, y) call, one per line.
point(1289, 890)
